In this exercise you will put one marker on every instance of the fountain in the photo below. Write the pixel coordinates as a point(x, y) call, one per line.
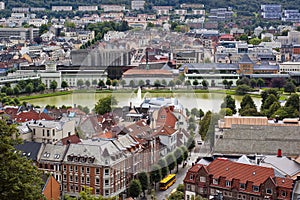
point(139, 95)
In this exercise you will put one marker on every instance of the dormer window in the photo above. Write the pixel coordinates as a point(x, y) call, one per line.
point(228, 183)
point(255, 188)
point(215, 181)
point(243, 186)
point(268, 191)
point(191, 177)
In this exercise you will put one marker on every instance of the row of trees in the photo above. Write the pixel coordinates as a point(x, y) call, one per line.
point(270, 105)
point(163, 167)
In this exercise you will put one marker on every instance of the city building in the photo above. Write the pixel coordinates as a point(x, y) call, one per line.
point(61, 8)
point(112, 8)
point(137, 5)
point(225, 179)
point(51, 189)
point(87, 8)
point(271, 11)
point(22, 33)
point(291, 16)
point(2, 5)
point(288, 67)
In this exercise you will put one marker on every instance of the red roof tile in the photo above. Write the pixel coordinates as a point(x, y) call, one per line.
point(31, 115)
point(284, 182)
point(243, 172)
point(73, 139)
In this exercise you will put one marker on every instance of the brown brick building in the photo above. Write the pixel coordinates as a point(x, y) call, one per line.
point(233, 180)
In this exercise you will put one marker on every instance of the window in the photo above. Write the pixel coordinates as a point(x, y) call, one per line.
point(106, 172)
point(43, 132)
point(215, 181)
point(76, 188)
point(65, 177)
point(75, 168)
point(82, 169)
point(106, 182)
point(228, 183)
point(97, 181)
point(87, 170)
point(97, 191)
point(88, 180)
point(255, 188)
point(65, 168)
point(202, 179)
point(243, 186)
point(53, 132)
point(268, 191)
point(71, 178)
point(97, 171)
point(82, 179)
point(34, 131)
point(191, 177)
point(283, 193)
point(76, 179)
point(71, 168)
point(188, 186)
point(106, 193)
point(48, 133)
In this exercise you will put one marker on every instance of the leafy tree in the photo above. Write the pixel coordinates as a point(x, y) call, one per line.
point(141, 83)
point(180, 188)
point(115, 83)
point(80, 83)
point(293, 102)
point(123, 82)
point(9, 91)
point(157, 83)
point(195, 82)
point(185, 152)
point(171, 160)
point(105, 104)
point(255, 41)
point(188, 113)
point(101, 83)
point(225, 83)
point(176, 195)
point(3, 89)
point(191, 143)
point(277, 82)
point(164, 167)
point(195, 112)
point(264, 95)
point(41, 87)
point(242, 89)
point(131, 84)
point(16, 90)
point(64, 84)
point(164, 82)
point(289, 87)
point(244, 37)
point(86, 110)
point(19, 179)
point(253, 82)
point(53, 85)
point(135, 188)
point(181, 77)
point(269, 101)
point(29, 88)
point(87, 83)
point(144, 180)
point(178, 82)
point(243, 81)
point(155, 174)
point(229, 102)
point(171, 83)
point(260, 82)
point(187, 83)
point(226, 112)
point(204, 84)
point(178, 153)
point(204, 124)
point(94, 82)
point(43, 29)
point(248, 107)
point(273, 108)
point(108, 83)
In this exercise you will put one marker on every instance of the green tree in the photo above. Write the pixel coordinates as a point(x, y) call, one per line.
point(248, 107)
point(278, 82)
point(86, 110)
point(131, 83)
point(164, 82)
point(9, 91)
point(19, 178)
point(229, 102)
point(255, 41)
point(3, 89)
point(260, 82)
point(185, 152)
point(135, 188)
point(178, 82)
point(226, 112)
point(176, 195)
point(204, 84)
point(87, 83)
point(43, 29)
point(178, 153)
point(163, 166)
point(29, 88)
point(243, 81)
point(94, 82)
point(101, 84)
point(293, 102)
point(289, 87)
point(108, 83)
point(253, 82)
point(80, 83)
point(187, 83)
point(64, 84)
point(123, 82)
point(242, 89)
point(191, 143)
point(141, 83)
point(115, 83)
point(105, 104)
point(171, 160)
point(155, 174)
point(41, 87)
point(171, 83)
point(144, 180)
point(157, 83)
point(17, 90)
point(53, 85)
point(195, 83)
point(204, 124)
point(269, 101)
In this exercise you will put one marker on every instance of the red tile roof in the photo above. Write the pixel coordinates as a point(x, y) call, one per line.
point(73, 139)
point(243, 172)
point(165, 130)
point(31, 115)
point(284, 182)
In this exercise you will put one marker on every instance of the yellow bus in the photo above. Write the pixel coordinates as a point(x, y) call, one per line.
point(167, 181)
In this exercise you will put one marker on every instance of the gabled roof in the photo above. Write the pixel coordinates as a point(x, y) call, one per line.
point(73, 139)
point(31, 115)
point(30, 149)
point(243, 172)
point(245, 60)
point(165, 130)
point(283, 182)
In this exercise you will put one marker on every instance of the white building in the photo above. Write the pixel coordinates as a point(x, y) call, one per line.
point(2, 5)
point(287, 67)
point(87, 8)
point(62, 8)
point(112, 8)
point(137, 5)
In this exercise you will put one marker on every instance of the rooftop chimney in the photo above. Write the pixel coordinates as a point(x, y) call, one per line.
point(279, 153)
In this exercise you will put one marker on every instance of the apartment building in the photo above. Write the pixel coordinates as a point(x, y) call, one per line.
point(62, 8)
point(231, 180)
point(137, 5)
point(2, 5)
point(271, 11)
point(22, 33)
point(87, 8)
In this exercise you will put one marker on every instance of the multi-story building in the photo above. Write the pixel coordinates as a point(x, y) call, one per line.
point(20, 9)
point(287, 67)
point(271, 11)
point(22, 33)
point(87, 8)
point(231, 180)
point(37, 9)
point(62, 8)
point(112, 8)
point(2, 5)
point(291, 16)
point(180, 12)
point(137, 5)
